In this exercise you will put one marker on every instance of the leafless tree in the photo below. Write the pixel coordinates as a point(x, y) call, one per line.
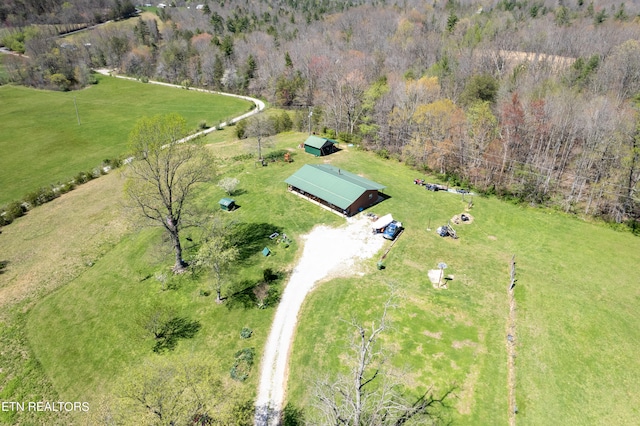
point(260, 128)
point(368, 396)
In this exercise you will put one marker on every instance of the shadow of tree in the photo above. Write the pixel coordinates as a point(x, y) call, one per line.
point(243, 296)
point(173, 330)
point(237, 192)
point(251, 238)
point(265, 414)
point(3, 266)
point(293, 416)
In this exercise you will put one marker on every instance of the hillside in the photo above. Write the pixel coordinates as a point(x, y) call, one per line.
point(533, 108)
point(575, 298)
point(438, 86)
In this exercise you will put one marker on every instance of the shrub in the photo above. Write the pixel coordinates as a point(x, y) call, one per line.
point(383, 153)
point(229, 185)
point(242, 157)
point(246, 333)
point(243, 363)
point(273, 297)
point(240, 129)
point(202, 125)
point(11, 212)
point(275, 155)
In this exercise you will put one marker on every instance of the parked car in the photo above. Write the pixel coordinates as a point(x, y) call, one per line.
point(392, 230)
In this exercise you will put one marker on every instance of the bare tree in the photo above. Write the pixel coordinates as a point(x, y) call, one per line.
point(166, 392)
point(261, 128)
point(164, 173)
point(368, 396)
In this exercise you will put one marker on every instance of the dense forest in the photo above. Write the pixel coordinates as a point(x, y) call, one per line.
point(536, 101)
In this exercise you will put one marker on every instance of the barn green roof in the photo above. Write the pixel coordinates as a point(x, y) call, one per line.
point(336, 186)
point(318, 142)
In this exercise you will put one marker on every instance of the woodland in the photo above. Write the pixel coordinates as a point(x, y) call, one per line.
point(533, 101)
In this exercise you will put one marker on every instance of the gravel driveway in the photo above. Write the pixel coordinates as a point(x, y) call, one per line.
point(327, 252)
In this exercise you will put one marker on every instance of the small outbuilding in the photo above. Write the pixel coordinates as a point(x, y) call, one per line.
point(227, 204)
point(338, 189)
point(320, 146)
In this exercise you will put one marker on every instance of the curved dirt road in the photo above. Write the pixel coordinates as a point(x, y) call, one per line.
point(339, 249)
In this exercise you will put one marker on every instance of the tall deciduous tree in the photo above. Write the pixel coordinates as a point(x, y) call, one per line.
point(161, 178)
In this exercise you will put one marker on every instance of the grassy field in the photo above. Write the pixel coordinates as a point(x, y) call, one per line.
point(576, 297)
point(43, 144)
point(576, 308)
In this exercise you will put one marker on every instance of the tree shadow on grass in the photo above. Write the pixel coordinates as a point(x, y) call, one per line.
point(293, 416)
point(251, 238)
point(173, 330)
point(3, 266)
point(262, 294)
point(243, 296)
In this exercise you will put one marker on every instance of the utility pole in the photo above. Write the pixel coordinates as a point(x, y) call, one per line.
point(310, 114)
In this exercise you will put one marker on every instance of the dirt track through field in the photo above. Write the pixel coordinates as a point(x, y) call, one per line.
point(327, 252)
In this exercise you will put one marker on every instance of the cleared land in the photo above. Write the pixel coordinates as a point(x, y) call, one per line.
point(577, 297)
point(43, 144)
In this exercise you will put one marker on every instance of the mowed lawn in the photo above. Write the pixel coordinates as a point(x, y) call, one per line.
point(43, 144)
point(89, 335)
point(577, 309)
point(576, 294)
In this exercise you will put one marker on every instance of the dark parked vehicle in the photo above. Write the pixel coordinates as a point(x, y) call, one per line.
point(392, 230)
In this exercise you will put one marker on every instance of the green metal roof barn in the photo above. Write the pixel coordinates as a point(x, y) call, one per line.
point(319, 146)
point(336, 188)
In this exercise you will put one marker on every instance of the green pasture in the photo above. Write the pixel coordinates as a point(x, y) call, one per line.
point(93, 335)
point(45, 142)
point(576, 297)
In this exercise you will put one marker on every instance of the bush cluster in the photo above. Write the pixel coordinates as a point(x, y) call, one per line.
point(277, 155)
point(242, 365)
point(246, 333)
point(17, 209)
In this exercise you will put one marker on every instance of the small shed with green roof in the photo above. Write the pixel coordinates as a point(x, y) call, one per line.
point(319, 146)
point(336, 188)
point(227, 204)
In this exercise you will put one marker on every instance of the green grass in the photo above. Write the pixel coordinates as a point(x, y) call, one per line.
point(43, 144)
point(576, 292)
point(576, 295)
point(87, 335)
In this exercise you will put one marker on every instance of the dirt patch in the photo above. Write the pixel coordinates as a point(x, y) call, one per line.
point(457, 344)
point(437, 335)
point(462, 218)
point(261, 291)
point(434, 277)
point(492, 238)
point(465, 397)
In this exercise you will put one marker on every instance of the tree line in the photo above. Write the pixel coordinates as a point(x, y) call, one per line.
point(533, 101)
